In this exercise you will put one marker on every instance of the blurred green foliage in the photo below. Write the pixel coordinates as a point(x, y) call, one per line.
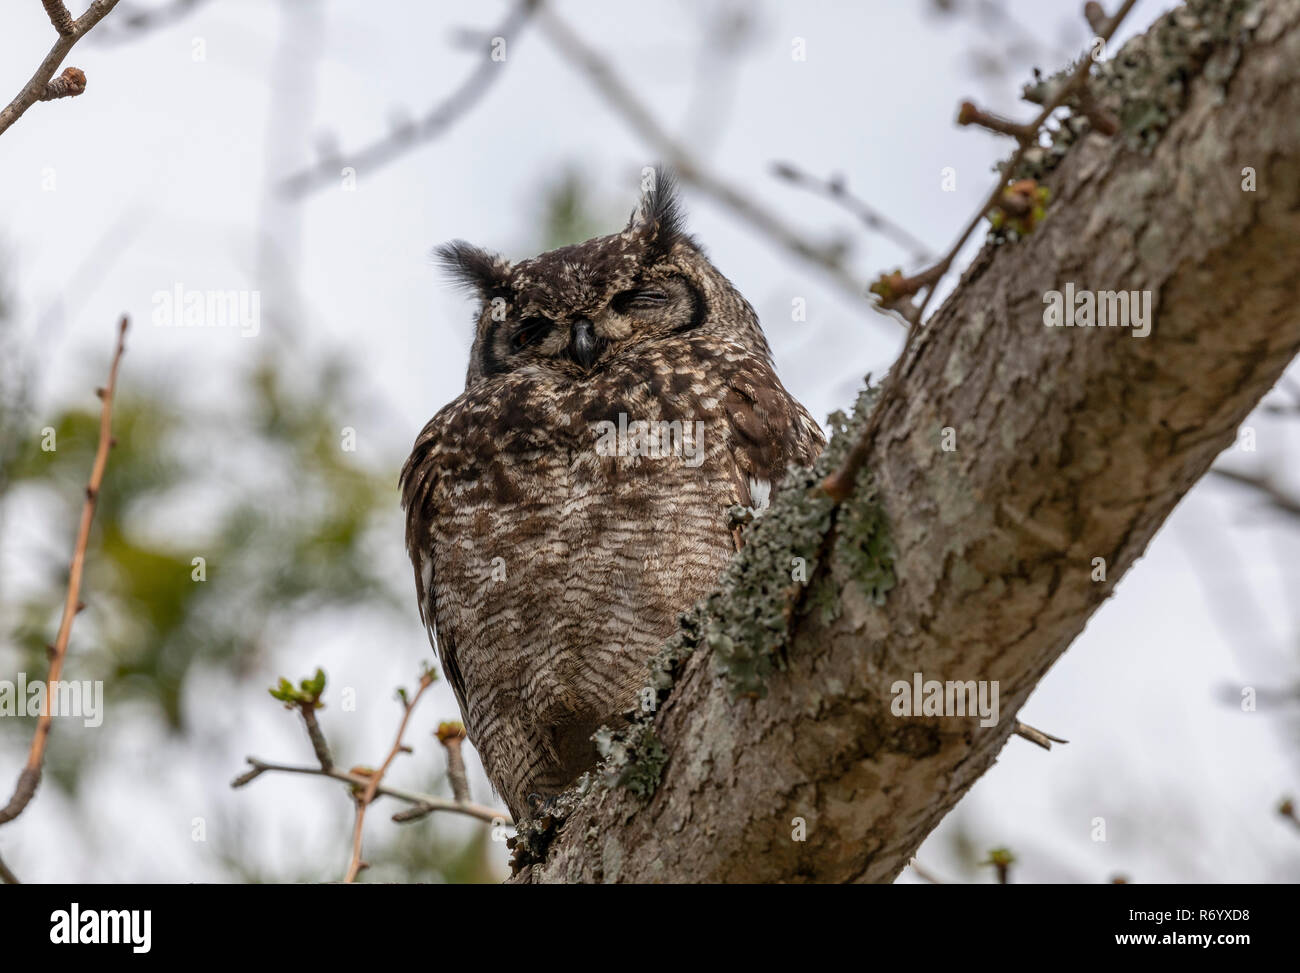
point(568, 215)
point(282, 516)
point(286, 539)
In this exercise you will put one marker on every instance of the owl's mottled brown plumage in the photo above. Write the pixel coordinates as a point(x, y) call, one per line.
point(549, 569)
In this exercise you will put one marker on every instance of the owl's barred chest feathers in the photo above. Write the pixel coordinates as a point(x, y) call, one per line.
point(611, 497)
point(573, 500)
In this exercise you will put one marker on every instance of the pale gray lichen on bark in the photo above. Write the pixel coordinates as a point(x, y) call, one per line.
point(1146, 84)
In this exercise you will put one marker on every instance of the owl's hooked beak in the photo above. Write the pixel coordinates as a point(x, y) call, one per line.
point(582, 343)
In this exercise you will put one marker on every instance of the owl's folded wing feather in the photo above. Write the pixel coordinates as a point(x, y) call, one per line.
point(769, 430)
point(418, 481)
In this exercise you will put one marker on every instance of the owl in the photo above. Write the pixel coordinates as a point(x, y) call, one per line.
point(573, 500)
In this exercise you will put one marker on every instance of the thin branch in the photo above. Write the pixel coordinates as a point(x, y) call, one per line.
point(374, 779)
point(441, 117)
point(623, 99)
point(840, 483)
point(969, 114)
point(1026, 139)
point(421, 801)
point(835, 190)
point(59, 16)
point(38, 88)
point(924, 873)
point(820, 656)
point(1099, 118)
point(31, 774)
point(318, 742)
point(1001, 859)
point(1044, 740)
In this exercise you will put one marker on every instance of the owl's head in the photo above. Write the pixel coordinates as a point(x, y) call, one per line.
point(570, 312)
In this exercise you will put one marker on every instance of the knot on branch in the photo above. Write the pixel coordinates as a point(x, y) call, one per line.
point(70, 83)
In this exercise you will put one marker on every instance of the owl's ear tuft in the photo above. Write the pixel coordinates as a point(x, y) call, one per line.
point(486, 274)
point(658, 218)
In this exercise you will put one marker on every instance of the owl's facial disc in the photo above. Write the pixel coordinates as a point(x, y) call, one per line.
point(578, 333)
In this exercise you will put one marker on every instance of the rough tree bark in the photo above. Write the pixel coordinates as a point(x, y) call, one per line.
point(1072, 444)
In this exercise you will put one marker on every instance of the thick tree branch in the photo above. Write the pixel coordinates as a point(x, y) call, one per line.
point(1070, 447)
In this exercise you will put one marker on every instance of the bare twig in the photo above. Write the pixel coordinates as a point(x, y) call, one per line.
point(318, 743)
point(39, 87)
point(840, 483)
point(433, 124)
point(873, 220)
point(7, 876)
point(30, 777)
point(451, 736)
point(427, 802)
point(968, 114)
point(924, 873)
point(132, 23)
point(1044, 740)
point(1026, 138)
point(68, 84)
point(372, 784)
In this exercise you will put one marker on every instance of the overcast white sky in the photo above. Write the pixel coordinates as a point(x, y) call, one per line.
point(160, 173)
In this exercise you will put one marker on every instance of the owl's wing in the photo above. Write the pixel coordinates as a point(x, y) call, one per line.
point(418, 482)
point(768, 429)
